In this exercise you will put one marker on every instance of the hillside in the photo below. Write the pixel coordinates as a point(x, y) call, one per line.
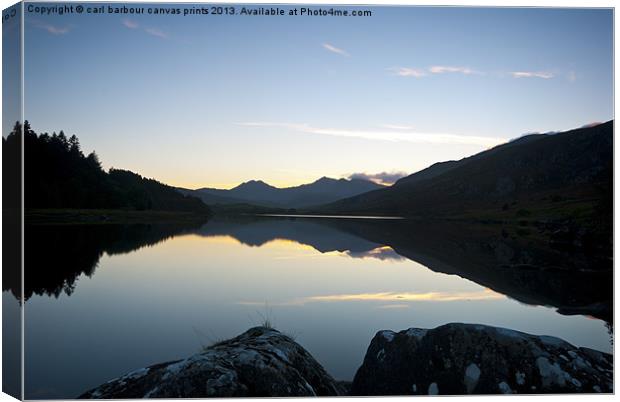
point(566, 173)
point(57, 175)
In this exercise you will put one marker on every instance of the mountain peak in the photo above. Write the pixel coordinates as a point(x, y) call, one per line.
point(257, 192)
point(253, 184)
point(325, 179)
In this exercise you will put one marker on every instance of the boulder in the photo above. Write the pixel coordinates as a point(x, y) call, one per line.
point(457, 359)
point(260, 362)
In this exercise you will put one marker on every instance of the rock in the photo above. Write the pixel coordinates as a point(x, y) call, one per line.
point(260, 362)
point(458, 359)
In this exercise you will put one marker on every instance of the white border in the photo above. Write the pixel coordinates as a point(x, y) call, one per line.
point(479, 3)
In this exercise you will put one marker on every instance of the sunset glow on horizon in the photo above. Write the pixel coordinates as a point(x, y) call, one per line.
point(234, 100)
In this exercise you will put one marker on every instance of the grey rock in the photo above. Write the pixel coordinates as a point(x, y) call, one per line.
point(456, 359)
point(261, 362)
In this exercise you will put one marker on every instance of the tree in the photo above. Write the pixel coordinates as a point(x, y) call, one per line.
point(93, 161)
point(58, 175)
point(74, 145)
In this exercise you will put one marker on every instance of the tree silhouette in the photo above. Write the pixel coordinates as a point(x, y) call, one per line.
point(58, 175)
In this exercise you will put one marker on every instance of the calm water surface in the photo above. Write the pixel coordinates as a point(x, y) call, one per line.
point(129, 297)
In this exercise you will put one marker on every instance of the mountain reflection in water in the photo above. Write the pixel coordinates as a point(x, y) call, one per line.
point(102, 300)
point(530, 272)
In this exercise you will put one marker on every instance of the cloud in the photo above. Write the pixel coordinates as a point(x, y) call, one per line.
point(156, 32)
point(386, 178)
point(407, 72)
point(386, 135)
point(54, 30)
point(130, 24)
point(571, 76)
point(419, 73)
point(532, 74)
point(552, 132)
point(593, 124)
point(451, 69)
point(334, 49)
point(423, 72)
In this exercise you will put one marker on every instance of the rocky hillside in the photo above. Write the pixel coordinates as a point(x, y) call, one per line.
point(546, 174)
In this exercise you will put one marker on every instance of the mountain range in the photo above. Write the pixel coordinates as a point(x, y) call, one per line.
point(547, 176)
point(256, 192)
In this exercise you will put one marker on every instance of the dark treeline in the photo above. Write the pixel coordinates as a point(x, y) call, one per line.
point(59, 175)
point(58, 255)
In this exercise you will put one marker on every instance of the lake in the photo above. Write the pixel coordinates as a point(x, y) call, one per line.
point(103, 300)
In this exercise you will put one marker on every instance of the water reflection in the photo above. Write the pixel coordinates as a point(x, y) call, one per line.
point(104, 300)
point(57, 255)
point(484, 294)
point(528, 271)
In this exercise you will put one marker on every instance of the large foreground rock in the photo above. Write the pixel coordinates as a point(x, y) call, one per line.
point(478, 359)
point(259, 362)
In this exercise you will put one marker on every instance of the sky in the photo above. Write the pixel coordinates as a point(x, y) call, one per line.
point(213, 101)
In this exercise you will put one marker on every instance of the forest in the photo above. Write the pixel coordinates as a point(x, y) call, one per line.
point(57, 175)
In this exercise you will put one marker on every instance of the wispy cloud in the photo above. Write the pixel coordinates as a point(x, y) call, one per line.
point(423, 72)
point(436, 70)
point(571, 76)
point(593, 124)
point(336, 50)
point(156, 32)
point(130, 24)
point(386, 178)
point(57, 30)
point(407, 72)
point(384, 135)
point(452, 69)
point(53, 29)
point(532, 74)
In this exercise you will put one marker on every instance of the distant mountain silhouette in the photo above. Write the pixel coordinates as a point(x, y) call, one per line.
point(562, 173)
point(257, 192)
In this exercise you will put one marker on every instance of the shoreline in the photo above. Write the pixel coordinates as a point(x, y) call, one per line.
point(108, 216)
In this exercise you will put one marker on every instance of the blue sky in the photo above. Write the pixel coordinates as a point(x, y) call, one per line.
point(217, 100)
